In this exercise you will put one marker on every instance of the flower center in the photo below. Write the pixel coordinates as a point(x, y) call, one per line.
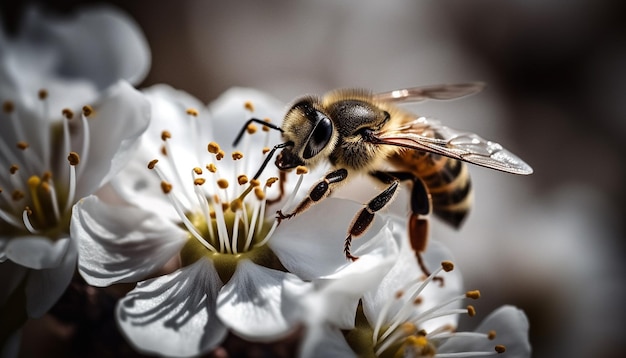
point(225, 219)
point(37, 194)
point(401, 334)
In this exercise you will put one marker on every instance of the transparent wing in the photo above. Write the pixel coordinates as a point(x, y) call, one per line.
point(430, 136)
point(438, 92)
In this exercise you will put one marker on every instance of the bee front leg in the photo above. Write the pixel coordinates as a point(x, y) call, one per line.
point(319, 191)
point(363, 220)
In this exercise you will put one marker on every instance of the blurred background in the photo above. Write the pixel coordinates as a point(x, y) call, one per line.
point(552, 243)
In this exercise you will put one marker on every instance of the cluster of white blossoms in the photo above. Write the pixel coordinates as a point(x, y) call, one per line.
point(188, 224)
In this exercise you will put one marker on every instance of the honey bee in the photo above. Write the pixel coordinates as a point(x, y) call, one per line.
point(359, 132)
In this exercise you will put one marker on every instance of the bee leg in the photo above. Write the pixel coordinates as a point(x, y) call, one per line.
point(363, 220)
point(319, 191)
point(421, 206)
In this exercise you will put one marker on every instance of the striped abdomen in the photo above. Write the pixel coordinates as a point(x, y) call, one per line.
point(447, 181)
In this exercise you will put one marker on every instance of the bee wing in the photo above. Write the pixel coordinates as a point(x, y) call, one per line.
point(430, 136)
point(438, 92)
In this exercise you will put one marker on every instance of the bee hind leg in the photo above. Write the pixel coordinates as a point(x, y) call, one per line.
point(364, 218)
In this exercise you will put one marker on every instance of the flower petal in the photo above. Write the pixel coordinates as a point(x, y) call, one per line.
point(250, 303)
point(123, 114)
point(100, 43)
point(325, 342)
point(121, 243)
point(511, 326)
point(174, 315)
point(310, 245)
point(37, 252)
point(44, 287)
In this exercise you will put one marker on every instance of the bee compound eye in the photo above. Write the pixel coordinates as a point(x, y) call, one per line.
point(319, 137)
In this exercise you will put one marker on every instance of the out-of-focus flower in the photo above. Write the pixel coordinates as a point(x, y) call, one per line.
point(234, 258)
point(74, 58)
point(405, 314)
point(51, 160)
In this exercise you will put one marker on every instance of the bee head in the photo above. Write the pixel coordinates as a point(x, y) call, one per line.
point(309, 134)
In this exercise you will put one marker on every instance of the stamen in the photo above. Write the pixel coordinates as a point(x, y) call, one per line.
point(33, 184)
point(87, 112)
point(9, 218)
point(249, 106)
point(74, 159)
point(25, 218)
point(45, 134)
point(407, 329)
point(202, 200)
point(49, 189)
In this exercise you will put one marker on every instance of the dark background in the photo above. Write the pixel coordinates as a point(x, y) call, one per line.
point(556, 74)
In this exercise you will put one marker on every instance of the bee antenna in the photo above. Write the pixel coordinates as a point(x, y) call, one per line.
point(254, 120)
point(269, 157)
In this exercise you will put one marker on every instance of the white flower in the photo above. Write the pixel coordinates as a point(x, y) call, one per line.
point(50, 160)
point(89, 51)
point(405, 314)
point(234, 257)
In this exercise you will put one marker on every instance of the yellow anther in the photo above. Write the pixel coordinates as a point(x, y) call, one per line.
point(73, 158)
point(260, 194)
point(242, 179)
point(212, 214)
point(45, 187)
point(251, 128)
point(67, 113)
point(222, 183)
point(28, 210)
point(236, 204)
point(33, 182)
point(249, 106)
point(197, 170)
point(417, 341)
point(301, 169)
point(13, 169)
point(46, 176)
point(399, 294)
point(225, 206)
point(192, 112)
point(447, 266)
point(8, 106)
point(475, 294)
point(500, 348)
point(408, 328)
point(213, 148)
point(271, 181)
point(418, 300)
point(220, 155)
point(163, 150)
point(266, 149)
point(87, 110)
point(199, 181)
point(491, 335)
point(165, 135)
point(255, 182)
point(43, 94)
point(237, 155)
point(152, 163)
point(211, 167)
point(22, 145)
point(166, 187)
point(471, 311)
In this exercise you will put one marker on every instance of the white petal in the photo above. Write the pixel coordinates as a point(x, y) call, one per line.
point(37, 252)
point(119, 118)
point(250, 303)
point(174, 315)
point(100, 43)
point(121, 243)
point(511, 326)
point(325, 342)
point(310, 245)
point(44, 287)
